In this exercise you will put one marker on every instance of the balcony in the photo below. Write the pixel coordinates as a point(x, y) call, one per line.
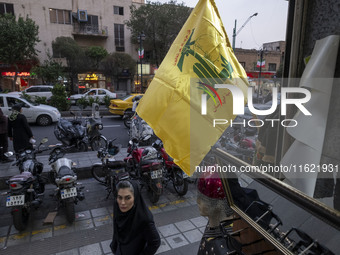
point(90, 30)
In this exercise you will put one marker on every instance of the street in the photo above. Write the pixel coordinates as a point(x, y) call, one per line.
point(113, 128)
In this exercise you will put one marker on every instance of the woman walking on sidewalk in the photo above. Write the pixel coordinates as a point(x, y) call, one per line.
point(134, 230)
point(18, 130)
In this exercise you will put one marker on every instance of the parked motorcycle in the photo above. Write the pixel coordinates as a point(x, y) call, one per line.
point(141, 131)
point(171, 171)
point(62, 175)
point(75, 136)
point(26, 188)
point(143, 164)
point(109, 171)
point(243, 149)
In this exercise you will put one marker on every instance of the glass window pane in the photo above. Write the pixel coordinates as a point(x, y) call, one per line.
point(2, 8)
point(53, 16)
point(9, 8)
point(60, 17)
point(67, 17)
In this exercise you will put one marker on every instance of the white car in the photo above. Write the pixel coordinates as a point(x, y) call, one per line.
point(95, 93)
point(41, 114)
point(36, 91)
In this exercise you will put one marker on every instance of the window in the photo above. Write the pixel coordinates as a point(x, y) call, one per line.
point(272, 67)
point(45, 89)
point(119, 37)
point(118, 10)
point(33, 89)
point(1, 102)
point(6, 8)
point(60, 16)
point(101, 92)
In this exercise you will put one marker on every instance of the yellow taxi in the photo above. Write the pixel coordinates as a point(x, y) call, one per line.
point(119, 106)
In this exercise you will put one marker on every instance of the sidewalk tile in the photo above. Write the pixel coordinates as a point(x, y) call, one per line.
point(92, 249)
point(83, 224)
point(164, 247)
point(62, 229)
point(168, 230)
point(106, 246)
point(18, 239)
point(193, 235)
point(176, 241)
point(4, 231)
point(184, 225)
point(60, 220)
point(102, 220)
point(199, 221)
point(41, 234)
point(99, 212)
point(69, 252)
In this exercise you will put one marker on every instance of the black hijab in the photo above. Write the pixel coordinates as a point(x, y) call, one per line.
point(128, 224)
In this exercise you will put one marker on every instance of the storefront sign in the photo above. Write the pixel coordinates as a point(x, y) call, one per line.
point(91, 77)
point(13, 74)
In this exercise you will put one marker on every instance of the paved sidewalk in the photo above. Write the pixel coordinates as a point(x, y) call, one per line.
point(83, 160)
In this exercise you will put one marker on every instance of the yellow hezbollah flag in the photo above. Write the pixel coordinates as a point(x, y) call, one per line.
point(199, 58)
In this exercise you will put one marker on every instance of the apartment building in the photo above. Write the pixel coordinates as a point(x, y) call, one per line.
point(89, 22)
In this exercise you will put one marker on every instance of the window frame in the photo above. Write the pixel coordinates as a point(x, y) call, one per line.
point(5, 7)
point(118, 10)
point(65, 15)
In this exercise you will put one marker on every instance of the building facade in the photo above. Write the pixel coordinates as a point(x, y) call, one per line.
point(89, 23)
point(272, 56)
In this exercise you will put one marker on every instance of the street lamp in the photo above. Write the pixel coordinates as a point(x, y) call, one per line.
point(141, 38)
point(236, 33)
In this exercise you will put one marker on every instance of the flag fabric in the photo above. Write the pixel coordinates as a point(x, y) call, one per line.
point(141, 53)
point(200, 57)
point(261, 64)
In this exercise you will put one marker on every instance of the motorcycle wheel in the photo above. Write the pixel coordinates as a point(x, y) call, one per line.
point(69, 210)
point(98, 173)
point(154, 196)
point(127, 122)
point(20, 218)
point(98, 142)
point(82, 146)
point(180, 184)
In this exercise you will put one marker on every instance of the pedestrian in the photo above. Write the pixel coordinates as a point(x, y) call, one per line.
point(18, 130)
point(4, 137)
point(134, 230)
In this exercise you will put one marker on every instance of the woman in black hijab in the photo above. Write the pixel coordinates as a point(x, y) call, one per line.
point(134, 231)
point(18, 130)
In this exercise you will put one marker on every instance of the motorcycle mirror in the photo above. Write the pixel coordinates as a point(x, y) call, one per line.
point(44, 140)
point(8, 154)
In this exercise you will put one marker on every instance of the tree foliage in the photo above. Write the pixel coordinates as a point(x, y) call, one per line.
point(67, 47)
point(114, 64)
point(49, 71)
point(18, 39)
point(59, 98)
point(160, 23)
point(96, 54)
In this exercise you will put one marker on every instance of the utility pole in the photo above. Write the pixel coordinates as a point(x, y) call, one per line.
point(141, 38)
point(236, 33)
point(259, 86)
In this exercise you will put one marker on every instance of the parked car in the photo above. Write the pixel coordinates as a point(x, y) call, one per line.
point(95, 93)
point(36, 91)
point(41, 114)
point(119, 106)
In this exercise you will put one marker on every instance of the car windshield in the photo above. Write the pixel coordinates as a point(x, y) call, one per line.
point(126, 97)
point(28, 101)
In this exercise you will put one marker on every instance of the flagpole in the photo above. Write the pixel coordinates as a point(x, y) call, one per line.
point(258, 88)
point(141, 38)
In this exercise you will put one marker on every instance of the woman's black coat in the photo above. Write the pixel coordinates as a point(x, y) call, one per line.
point(21, 133)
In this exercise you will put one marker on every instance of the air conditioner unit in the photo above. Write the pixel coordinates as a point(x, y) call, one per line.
point(82, 15)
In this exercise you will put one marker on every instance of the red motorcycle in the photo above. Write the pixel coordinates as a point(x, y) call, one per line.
point(143, 164)
point(172, 172)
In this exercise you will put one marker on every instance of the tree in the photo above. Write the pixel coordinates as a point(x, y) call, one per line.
point(17, 41)
point(68, 48)
point(160, 23)
point(96, 54)
point(114, 64)
point(49, 71)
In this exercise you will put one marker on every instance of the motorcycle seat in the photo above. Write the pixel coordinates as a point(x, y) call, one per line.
point(64, 170)
point(24, 176)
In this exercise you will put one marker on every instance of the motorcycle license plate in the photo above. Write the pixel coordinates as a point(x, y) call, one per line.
point(15, 200)
point(66, 193)
point(156, 174)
